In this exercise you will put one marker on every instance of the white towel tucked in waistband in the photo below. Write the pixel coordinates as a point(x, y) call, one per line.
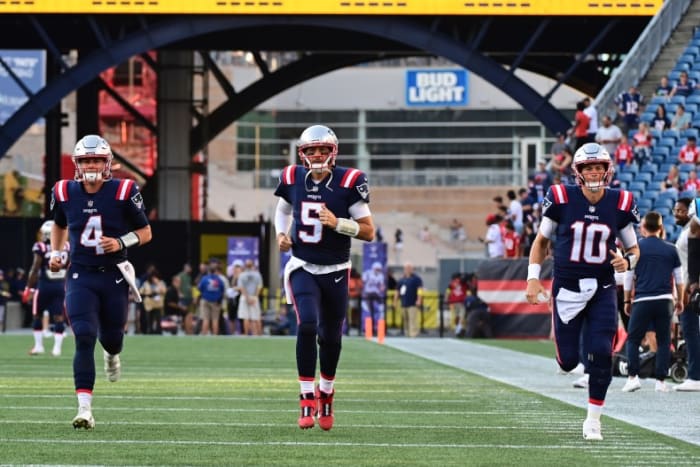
point(570, 304)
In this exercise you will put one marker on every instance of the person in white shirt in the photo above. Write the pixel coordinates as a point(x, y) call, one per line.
point(609, 135)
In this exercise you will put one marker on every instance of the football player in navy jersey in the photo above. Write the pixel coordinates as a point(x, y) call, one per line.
point(583, 222)
point(102, 217)
point(45, 289)
point(321, 208)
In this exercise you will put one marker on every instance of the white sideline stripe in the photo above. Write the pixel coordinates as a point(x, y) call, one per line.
point(669, 413)
point(576, 445)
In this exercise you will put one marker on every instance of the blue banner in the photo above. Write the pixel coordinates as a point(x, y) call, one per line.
point(436, 87)
point(242, 249)
point(29, 67)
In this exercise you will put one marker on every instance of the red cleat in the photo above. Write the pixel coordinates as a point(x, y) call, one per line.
point(307, 402)
point(325, 409)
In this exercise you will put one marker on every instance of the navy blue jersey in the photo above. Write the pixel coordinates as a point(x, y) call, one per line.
point(46, 276)
point(116, 209)
point(311, 241)
point(654, 271)
point(586, 232)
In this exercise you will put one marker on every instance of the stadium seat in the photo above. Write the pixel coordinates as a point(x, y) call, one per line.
point(678, 100)
point(644, 204)
point(666, 167)
point(674, 75)
point(667, 141)
point(691, 108)
point(692, 50)
point(658, 100)
point(626, 177)
point(637, 185)
point(680, 66)
point(686, 58)
point(693, 99)
point(646, 117)
point(686, 168)
point(690, 132)
point(659, 176)
point(631, 168)
point(658, 159)
point(661, 150)
point(651, 193)
point(662, 202)
point(671, 134)
point(644, 175)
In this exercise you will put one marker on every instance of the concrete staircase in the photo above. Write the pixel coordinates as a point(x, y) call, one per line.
point(672, 50)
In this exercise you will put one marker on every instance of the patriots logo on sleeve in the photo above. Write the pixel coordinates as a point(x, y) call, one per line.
point(363, 190)
point(137, 199)
point(635, 213)
point(53, 201)
point(546, 203)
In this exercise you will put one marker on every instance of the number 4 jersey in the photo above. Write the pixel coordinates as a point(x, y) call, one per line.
point(311, 241)
point(586, 232)
point(113, 211)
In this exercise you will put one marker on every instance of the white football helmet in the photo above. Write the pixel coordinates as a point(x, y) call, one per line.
point(318, 136)
point(91, 146)
point(45, 231)
point(592, 153)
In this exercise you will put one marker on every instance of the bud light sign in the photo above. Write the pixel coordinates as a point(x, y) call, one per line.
point(436, 88)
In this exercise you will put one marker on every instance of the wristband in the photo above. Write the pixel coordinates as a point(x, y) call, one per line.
point(55, 254)
point(533, 271)
point(347, 227)
point(128, 240)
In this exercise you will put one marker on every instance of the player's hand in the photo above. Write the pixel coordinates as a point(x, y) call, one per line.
point(618, 262)
point(627, 308)
point(55, 263)
point(536, 293)
point(284, 242)
point(27, 295)
point(327, 218)
point(109, 244)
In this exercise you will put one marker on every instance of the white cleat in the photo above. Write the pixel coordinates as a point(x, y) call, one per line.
point(591, 430)
point(46, 333)
point(582, 382)
point(632, 384)
point(688, 385)
point(56, 352)
point(36, 351)
point(113, 367)
point(84, 419)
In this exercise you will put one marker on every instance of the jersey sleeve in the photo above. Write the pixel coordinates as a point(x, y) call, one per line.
point(356, 181)
point(553, 201)
point(287, 179)
point(59, 195)
point(39, 248)
point(129, 193)
point(627, 205)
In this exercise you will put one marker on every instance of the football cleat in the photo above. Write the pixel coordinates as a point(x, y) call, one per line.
point(632, 384)
point(113, 367)
point(325, 409)
point(56, 352)
point(36, 351)
point(591, 430)
point(307, 402)
point(84, 419)
point(582, 382)
point(661, 386)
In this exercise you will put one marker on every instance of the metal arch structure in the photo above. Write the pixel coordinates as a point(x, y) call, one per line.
point(475, 44)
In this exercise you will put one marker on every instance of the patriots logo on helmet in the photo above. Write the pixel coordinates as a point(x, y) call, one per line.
point(137, 199)
point(363, 190)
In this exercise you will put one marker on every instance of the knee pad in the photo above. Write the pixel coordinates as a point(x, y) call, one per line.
point(59, 327)
point(36, 324)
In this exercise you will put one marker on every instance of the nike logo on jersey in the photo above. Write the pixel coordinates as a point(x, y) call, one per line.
point(338, 279)
point(607, 286)
point(119, 281)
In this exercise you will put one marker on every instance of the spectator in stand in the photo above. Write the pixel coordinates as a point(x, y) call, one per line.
point(515, 211)
point(511, 241)
point(624, 154)
point(559, 145)
point(684, 86)
point(672, 181)
point(561, 165)
point(629, 104)
point(608, 135)
point(692, 184)
point(681, 120)
point(660, 120)
point(642, 141)
point(493, 239)
point(689, 153)
point(581, 124)
point(539, 182)
point(664, 88)
point(592, 113)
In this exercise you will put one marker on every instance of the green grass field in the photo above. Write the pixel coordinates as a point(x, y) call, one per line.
point(233, 401)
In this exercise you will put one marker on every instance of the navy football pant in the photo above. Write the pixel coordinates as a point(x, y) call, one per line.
point(594, 330)
point(321, 304)
point(96, 305)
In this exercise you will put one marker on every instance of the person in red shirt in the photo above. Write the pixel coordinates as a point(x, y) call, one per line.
point(581, 124)
point(692, 184)
point(511, 241)
point(624, 154)
point(456, 294)
point(689, 153)
point(642, 143)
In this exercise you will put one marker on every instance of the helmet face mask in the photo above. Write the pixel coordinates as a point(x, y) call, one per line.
point(590, 154)
point(318, 148)
point(45, 231)
point(87, 149)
